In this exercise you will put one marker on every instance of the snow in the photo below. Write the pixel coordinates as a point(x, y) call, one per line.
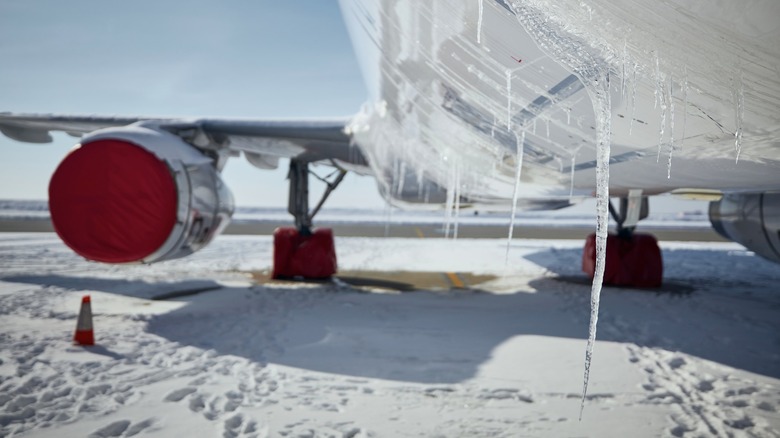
point(502, 358)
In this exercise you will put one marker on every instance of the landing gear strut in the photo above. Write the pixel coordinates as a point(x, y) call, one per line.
point(633, 259)
point(303, 251)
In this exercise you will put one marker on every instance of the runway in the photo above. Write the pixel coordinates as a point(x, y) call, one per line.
point(424, 230)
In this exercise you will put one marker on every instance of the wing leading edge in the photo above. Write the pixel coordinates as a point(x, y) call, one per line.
point(262, 141)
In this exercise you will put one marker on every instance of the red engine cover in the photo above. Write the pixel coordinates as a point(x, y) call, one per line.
point(112, 201)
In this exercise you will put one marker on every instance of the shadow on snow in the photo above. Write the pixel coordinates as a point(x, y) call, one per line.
point(445, 337)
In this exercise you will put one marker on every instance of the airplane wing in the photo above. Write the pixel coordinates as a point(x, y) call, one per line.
point(140, 189)
point(262, 141)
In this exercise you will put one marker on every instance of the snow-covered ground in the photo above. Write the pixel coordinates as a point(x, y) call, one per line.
point(700, 357)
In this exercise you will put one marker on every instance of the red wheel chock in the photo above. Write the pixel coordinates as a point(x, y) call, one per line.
point(308, 256)
point(631, 261)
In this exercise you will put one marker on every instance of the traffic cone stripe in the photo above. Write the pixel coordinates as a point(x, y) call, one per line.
point(84, 333)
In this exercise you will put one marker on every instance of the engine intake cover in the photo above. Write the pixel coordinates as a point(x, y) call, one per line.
point(137, 194)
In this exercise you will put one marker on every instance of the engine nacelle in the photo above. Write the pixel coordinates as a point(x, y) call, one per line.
point(751, 219)
point(137, 194)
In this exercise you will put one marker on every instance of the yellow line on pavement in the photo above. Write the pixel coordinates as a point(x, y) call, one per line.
point(455, 280)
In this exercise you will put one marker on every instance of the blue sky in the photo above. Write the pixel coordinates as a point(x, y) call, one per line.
point(262, 58)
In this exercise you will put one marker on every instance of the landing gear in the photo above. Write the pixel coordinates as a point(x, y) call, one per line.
point(304, 251)
point(633, 259)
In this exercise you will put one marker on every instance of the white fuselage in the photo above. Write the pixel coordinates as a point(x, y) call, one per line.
point(456, 86)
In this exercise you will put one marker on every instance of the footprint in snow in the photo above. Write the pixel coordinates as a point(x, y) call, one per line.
point(705, 386)
point(179, 394)
point(122, 428)
point(116, 428)
point(237, 426)
point(234, 399)
point(136, 428)
point(676, 362)
point(197, 403)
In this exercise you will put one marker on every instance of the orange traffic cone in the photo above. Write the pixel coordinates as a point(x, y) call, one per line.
point(84, 334)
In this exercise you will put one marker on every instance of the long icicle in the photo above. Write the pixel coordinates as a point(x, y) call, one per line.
point(662, 128)
point(520, 142)
point(457, 201)
point(685, 105)
point(449, 204)
point(633, 101)
point(571, 173)
point(671, 127)
point(739, 110)
point(508, 99)
point(479, 23)
point(603, 110)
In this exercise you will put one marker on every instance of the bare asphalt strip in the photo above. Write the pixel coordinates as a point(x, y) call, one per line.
point(698, 234)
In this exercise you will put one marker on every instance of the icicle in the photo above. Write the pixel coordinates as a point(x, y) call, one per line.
point(603, 109)
point(520, 145)
point(393, 189)
point(685, 104)
point(571, 173)
point(568, 115)
point(739, 113)
point(657, 92)
point(671, 127)
point(457, 202)
point(420, 182)
point(508, 99)
point(388, 218)
point(533, 126)
point(401, 179)
point(449, 205)
point(633, 100)
point(623, 76)
point(663, 123)
point(479, 23)
point(548, 127)
point(594, 73)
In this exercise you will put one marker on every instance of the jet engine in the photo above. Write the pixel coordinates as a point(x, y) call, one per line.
point(137, 194)
point(751, 219)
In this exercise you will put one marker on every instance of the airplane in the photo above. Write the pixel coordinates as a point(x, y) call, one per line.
point(488, 104)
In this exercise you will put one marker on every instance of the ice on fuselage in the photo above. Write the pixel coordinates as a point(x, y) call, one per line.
point(596, 39)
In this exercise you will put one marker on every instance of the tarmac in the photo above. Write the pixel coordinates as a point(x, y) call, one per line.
point(693, 234)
